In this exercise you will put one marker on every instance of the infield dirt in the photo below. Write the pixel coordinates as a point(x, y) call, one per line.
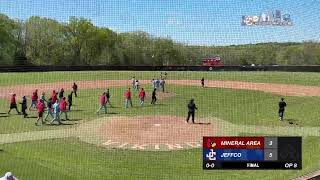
point(280, 89)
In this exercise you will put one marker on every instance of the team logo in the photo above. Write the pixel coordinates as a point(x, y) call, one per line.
point(211, 143)
point(211, 155)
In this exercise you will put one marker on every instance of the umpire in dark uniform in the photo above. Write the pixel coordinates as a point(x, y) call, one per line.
point(154, 98)
point(24, 106)
point(282, 106)
point(202, 82)
point(191, 110)
point(70, 100)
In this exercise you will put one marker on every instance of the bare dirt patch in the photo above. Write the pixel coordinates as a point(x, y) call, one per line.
point(154, 133)
point(27, 89)
point(280, 89)
point(312, 176)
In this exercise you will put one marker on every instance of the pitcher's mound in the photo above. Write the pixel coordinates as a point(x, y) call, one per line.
point(154, 133)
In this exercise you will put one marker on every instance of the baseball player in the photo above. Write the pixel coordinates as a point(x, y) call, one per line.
point(127, 96)
point(40, 109)
point(13, 104)
point(75, 89)
point(70, 101)
point(202, 82)
point(137, 85)
point(282, 106)
point(154, 83)
point(154, 98)
point(157, 84)
point(162, 83)
point(24, 106)
point(133, 82)
point(63, 107)
point(34, 99)
point(56, 111)
point(61, 93)
point(43, 97)
point(165, 75)
point(191, 110)
point(49, 109)
point(108, 97)
point(142, 95)
point(54, 96)
point(103, 103)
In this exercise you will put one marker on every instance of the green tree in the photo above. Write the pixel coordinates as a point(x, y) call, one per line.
point(20, 37)
point(7, 40)
point(78, 33)
point(44, 41)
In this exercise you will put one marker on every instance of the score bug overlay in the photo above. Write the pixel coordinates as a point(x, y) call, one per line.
point(252, 153)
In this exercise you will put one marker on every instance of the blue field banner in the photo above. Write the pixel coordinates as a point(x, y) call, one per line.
point(233, 154)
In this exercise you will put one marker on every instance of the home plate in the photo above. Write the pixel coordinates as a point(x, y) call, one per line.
point(157, 124)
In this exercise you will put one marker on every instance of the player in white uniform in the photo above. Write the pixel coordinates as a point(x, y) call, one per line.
point(137, 85)
point(8, 176)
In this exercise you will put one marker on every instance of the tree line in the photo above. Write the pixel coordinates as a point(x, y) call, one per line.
point(44, 41)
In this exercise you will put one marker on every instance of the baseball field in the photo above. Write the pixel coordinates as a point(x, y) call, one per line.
point(153, 141)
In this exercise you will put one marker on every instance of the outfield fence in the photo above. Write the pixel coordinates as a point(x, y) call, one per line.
point(158, 68)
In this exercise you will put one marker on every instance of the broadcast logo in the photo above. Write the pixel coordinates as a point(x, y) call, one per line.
point(272, 18)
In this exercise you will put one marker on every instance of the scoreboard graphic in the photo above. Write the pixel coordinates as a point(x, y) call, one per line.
point(252, 153)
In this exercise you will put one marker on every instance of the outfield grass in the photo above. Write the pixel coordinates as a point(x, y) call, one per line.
point(70, 159)
point(235, 106)
point(310, 79)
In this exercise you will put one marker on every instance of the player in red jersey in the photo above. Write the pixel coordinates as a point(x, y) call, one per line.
point(54, 96)
point(128, 100)
point(103, 103)
point(40, 109)
point(63, 108)
point(13, 104)
point(75, 89)
point(34, 99)
point(142, 95)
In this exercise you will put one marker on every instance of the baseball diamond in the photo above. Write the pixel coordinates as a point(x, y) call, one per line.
point(226, 107)
point(160, 90)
